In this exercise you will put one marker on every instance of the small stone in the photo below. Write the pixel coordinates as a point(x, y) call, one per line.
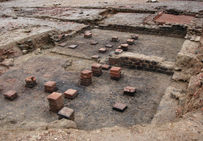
point(70, 93)
point(120, 107)
point(108, 46)
point(10, 95)
point(102, 50)
point(66, 113)
point(50, 86)
point(25, 51)
point(73, 46)
point(114, 39)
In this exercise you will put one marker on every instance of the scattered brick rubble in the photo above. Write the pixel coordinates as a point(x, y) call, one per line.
point(56, 101)
point(67, 113)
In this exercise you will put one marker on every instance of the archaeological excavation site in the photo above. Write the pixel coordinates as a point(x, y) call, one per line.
point(101, 70)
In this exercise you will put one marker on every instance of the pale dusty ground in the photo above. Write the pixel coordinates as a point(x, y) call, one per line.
point(33, 3)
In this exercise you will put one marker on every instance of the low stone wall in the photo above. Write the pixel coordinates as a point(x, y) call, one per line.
point(142, 62)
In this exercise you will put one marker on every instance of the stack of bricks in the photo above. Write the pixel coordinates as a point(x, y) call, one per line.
point(115, 73)
point(50, 86)
point(97, 69)
point(56, 101)
point(86, 78)
point(30, 82)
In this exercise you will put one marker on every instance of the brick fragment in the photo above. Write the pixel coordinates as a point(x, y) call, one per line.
point(102, 50)
point(30, 82)
point(50, 86)
point(120, 107)
point(70, 93)
point(130, 41)
point(97, 69)
point(124, 47)
point(129, 91)
point(88, 34)
point(56, 101)
point(67, 113)
point(11, 95)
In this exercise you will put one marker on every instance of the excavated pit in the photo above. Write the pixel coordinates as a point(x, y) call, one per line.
point(93, 105)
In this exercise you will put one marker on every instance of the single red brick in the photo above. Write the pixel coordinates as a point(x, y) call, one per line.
point(67, 113)
point(114, 39)
point(129, 90)
point(50, 86)
point(124, 47)
point(118, 51)
point(70, 93)
point(11, 95)
point(96, 65)
point(102, 50)
point(87, 34)
point(130, 41)
point(120, 107)
point(106, 67)
point(56, 101)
